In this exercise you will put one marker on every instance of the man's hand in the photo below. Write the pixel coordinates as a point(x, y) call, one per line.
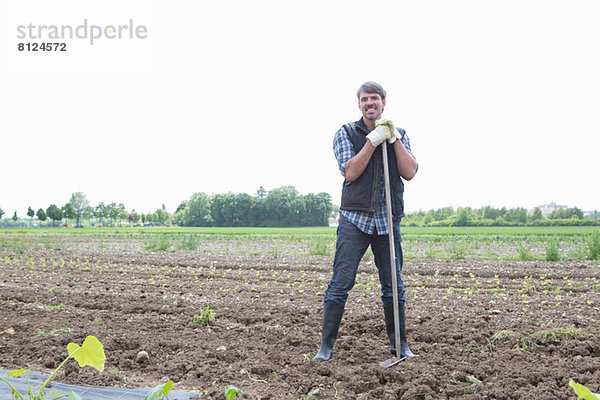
point(381, 132)
point(389, 125)
point(396, 135)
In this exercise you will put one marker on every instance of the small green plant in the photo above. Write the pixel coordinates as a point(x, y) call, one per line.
point(205, 318)
point(160, 243)
point(579, 253)
point(558, 333)
point(274, 251)
point(593, 246)
point(231, 392)
point(490, 255)
point(527, 286)
point(432, 252)
point(189, 243)
point(89, 353)
point(311, 395)
point(582, 392)
point(472, 346)
point(320, 248)
point(533, 340)
point(492, 340)
point(524, 253)
point(56, 332)
point(552, 253)
point(474, 383)
point(59, 307)
point(458, 252)
point(160, 390)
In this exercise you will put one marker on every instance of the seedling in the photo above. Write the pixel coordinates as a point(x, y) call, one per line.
point(90, 353)
point(160, 390)
point(56, 332)
point(205, 318)
point(496, 337)
point(231, 392)
point(528, 286)
point(558, 333)
point(533, 340)
point(582, 392)
point(311, 395)
point(59, 307)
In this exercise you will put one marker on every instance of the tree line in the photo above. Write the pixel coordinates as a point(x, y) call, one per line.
point(490, 216)
point(79, 210)
point(280, 207)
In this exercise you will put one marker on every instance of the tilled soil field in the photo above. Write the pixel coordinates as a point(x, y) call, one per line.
point(483, 329)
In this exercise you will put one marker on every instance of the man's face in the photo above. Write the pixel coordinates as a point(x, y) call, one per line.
point(371, 105)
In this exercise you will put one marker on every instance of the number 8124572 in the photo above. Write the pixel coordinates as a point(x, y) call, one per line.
point(45, 46)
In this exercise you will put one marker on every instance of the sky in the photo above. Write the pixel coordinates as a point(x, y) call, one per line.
point(500, 100)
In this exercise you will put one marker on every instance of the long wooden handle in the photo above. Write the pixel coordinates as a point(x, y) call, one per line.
point(388, 203)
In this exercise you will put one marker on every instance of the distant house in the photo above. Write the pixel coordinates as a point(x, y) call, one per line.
point(549, 208)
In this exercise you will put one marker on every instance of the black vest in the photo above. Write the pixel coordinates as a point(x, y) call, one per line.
point(363, 193)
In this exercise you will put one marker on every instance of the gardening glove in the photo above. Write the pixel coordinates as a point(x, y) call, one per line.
point(397, 135)
point(389, 125)
point(380, 134)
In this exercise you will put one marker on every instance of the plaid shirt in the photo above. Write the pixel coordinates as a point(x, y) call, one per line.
point(366, 221)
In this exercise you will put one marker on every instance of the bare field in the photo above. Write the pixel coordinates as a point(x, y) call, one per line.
point(483, 328)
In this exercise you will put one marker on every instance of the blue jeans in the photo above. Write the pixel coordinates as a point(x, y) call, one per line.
point(351, 245)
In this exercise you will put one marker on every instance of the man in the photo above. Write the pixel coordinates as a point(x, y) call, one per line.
point(363, 217)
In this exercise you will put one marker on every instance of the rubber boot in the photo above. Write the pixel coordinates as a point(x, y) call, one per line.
point(389, 325)
point(332, 316)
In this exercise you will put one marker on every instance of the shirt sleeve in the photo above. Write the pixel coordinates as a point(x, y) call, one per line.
point(342, 149)
point(406, 143)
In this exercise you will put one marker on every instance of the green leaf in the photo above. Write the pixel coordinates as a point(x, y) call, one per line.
point(159, 390)
point(582, 392)
point(17, 373)
point(231, 392)
point(473, 380)
point(74, 396)
point(90, 353)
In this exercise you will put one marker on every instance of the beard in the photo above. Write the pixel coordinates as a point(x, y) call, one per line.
point(372, 117)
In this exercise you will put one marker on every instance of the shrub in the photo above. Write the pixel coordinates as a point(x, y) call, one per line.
point(552, 253)
point(458, 252)
point(161, 243)
point(320, 248)
point(524, 253)
point(189, 243)
point(593, 245)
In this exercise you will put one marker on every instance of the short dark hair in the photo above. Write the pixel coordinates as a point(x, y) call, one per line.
point(371, 87)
